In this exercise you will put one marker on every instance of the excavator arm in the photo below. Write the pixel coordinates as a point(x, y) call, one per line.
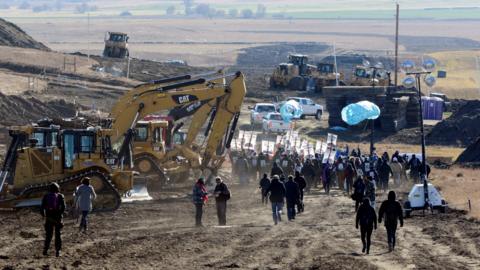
point(202, 95)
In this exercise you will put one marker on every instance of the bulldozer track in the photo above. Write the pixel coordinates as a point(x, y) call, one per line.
point(108, 186)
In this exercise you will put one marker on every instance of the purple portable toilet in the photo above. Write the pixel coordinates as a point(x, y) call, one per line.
point(432, 108)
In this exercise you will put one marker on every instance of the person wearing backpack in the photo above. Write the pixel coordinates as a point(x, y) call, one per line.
point(52, 209)
point(391, 211)
point(84, 195)
point(367, 219)
point(222, 195)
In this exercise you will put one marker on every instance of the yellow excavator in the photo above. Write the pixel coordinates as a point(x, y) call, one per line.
point(105, 154)
point(162, 151)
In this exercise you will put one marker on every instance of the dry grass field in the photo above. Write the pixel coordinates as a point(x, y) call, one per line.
point(463, 73)
point(458, 185)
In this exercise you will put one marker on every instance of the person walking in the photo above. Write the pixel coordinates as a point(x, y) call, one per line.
point(52, 209)
point(222, 195)
point(384, 172)
point(370, 189)
point(199, 198)
point(358, 191)
point(367, 219)
point(327, 177)
point(308, 171)
point(276, 170)
point(277, 198)
point(263, 185)
point(350, 174)
point(243, 169)
point(301, 186)
point(391, 211)
point(340, 172)
point(397, 172)
point(292, 195)
point(414, 165)
point(84, 195)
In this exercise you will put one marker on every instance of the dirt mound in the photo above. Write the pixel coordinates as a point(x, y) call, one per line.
point(16, 110)
point(461, 128)
point(14, 36)
point(471, 154)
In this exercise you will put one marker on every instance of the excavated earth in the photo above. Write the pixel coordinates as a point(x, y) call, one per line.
point(461, 128)
point(159, 234)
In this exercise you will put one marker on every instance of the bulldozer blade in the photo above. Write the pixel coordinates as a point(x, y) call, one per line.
point(138, 193)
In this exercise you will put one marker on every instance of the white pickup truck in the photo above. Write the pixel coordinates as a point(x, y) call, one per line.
point(273, 123)
point(309, 107)
point(259, 111)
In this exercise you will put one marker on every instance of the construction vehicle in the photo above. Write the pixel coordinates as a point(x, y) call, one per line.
point(297, 74)
point(116, 45)
point(170, 152)
point(363, 76)
point(44, 153)
point(38, 155)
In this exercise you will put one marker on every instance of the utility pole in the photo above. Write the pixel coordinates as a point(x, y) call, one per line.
point(396, 45)
point(335, 62)
point(88, 41)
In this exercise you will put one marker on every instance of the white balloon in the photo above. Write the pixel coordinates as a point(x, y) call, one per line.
point(409, 82)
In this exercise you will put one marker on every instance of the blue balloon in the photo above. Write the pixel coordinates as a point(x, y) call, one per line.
point(355, 113)
point(290, 110)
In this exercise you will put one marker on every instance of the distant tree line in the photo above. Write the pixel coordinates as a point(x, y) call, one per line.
point(80, 6)
point(208, 11)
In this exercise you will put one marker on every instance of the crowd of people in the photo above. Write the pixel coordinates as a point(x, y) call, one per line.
point(286, 177)
point(356, 175)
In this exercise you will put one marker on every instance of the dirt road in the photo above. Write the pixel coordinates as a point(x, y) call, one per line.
point(159, 234)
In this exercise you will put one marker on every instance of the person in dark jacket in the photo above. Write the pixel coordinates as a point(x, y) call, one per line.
point(350, 173)
point(292, 195)
point(52, 209)
point(276, 170)
point(263, 185)
point(391, 211)
point(277, 198)
point(384, 172)
point(358, 191)
point(367, 219)
point(222, 195)
point(370, 188)
point(308, 171)
point(199, 198)
point(301, 186)
point(243, 169)
point(414, 165)
point(327, 177)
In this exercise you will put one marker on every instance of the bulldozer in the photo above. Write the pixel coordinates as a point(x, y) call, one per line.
point(297, 74)
point(362, 76)
point(116, 45)
point(41, 154)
